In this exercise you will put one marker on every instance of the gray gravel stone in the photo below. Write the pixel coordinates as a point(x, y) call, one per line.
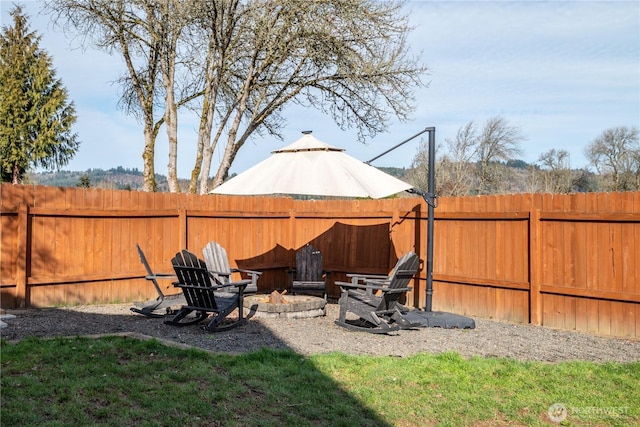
point(320, 335)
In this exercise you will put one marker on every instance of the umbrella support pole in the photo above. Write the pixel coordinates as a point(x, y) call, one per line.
point(429, 318)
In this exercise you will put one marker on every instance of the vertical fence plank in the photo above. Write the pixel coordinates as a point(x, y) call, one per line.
point(22, 295)
point(535, 267)
point(635, 279)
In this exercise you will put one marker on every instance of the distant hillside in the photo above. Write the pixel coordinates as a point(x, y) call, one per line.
point(397, 172)
point(116, 179)
point(124, 179)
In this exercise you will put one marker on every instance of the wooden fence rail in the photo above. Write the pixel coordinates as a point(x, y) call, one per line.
point(565, 261)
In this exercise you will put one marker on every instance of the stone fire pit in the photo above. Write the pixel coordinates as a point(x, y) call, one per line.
point(289, 306)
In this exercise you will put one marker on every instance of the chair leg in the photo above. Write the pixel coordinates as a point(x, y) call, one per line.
point(146, 311)
point(383, 328)
point(184, 312)
point(216, 324)
point(402, 322)
point(342, 302)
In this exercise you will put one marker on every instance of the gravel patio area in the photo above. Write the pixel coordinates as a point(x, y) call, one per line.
point(320, 335)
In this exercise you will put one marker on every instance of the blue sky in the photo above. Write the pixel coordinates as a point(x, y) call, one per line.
point(562, 71)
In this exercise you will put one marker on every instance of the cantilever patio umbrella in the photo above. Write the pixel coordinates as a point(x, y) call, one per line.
point(312, 167)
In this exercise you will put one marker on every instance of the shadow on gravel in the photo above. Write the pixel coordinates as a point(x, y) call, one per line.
point(264, 379)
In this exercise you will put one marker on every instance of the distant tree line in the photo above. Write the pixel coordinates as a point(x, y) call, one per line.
point(118, 178)
point(239, 64)
point(485, 161)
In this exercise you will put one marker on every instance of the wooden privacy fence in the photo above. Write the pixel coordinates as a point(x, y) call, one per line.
point(565, 261)
point(72, 246)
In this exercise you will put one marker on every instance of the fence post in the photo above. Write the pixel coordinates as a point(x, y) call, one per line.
point(535, 267)
point(22, 299)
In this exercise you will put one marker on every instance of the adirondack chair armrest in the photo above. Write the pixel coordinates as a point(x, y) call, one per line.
point(374, 285)
point(350, 285)
point(240, 284)
point(249, 272)
point(397, 290)
point(364, 276)
point(382, 285)
point(355, 277)
point(219, 273)
point(185, 286)
point(377, 282)
point(161, 276)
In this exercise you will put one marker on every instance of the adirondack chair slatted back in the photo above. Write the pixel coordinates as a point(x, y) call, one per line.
point(309, 278)
point(193, 274)
point(399, 278)
point(143, 260)
point(404, 270)
point(309, 264)
point(217, 260)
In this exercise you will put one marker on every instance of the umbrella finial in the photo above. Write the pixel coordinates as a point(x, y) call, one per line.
point(307, 132)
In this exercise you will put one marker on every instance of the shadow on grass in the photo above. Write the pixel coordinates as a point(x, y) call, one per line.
point(120, 380)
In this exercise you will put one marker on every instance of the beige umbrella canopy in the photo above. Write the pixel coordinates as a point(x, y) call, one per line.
point(312, 167)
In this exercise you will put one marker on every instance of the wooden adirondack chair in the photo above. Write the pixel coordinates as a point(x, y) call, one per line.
point(375, 300)
point(218, 264)
point(204, 296)
point(163, 303)
point(308, 276)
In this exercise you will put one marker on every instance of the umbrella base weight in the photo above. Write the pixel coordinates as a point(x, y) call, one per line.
point(439, 319)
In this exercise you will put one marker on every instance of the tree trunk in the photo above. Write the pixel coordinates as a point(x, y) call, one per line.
point(16, 174)
point(231, 148)
point(204, 135)
point(148, 172)
point(171, 122)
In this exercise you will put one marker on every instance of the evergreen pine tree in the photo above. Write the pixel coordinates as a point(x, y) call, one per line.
point(85, 181)
point(35, 114)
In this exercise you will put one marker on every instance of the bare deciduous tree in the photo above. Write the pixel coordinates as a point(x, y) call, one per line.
point(615, 154)
point(458, 173)
point(246, 61)
point(348, 58)
point(498, 141)
point(472, 163)
point(127, 27)
point(555, 171)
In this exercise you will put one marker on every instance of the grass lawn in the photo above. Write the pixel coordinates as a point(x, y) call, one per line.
point(122, 381)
